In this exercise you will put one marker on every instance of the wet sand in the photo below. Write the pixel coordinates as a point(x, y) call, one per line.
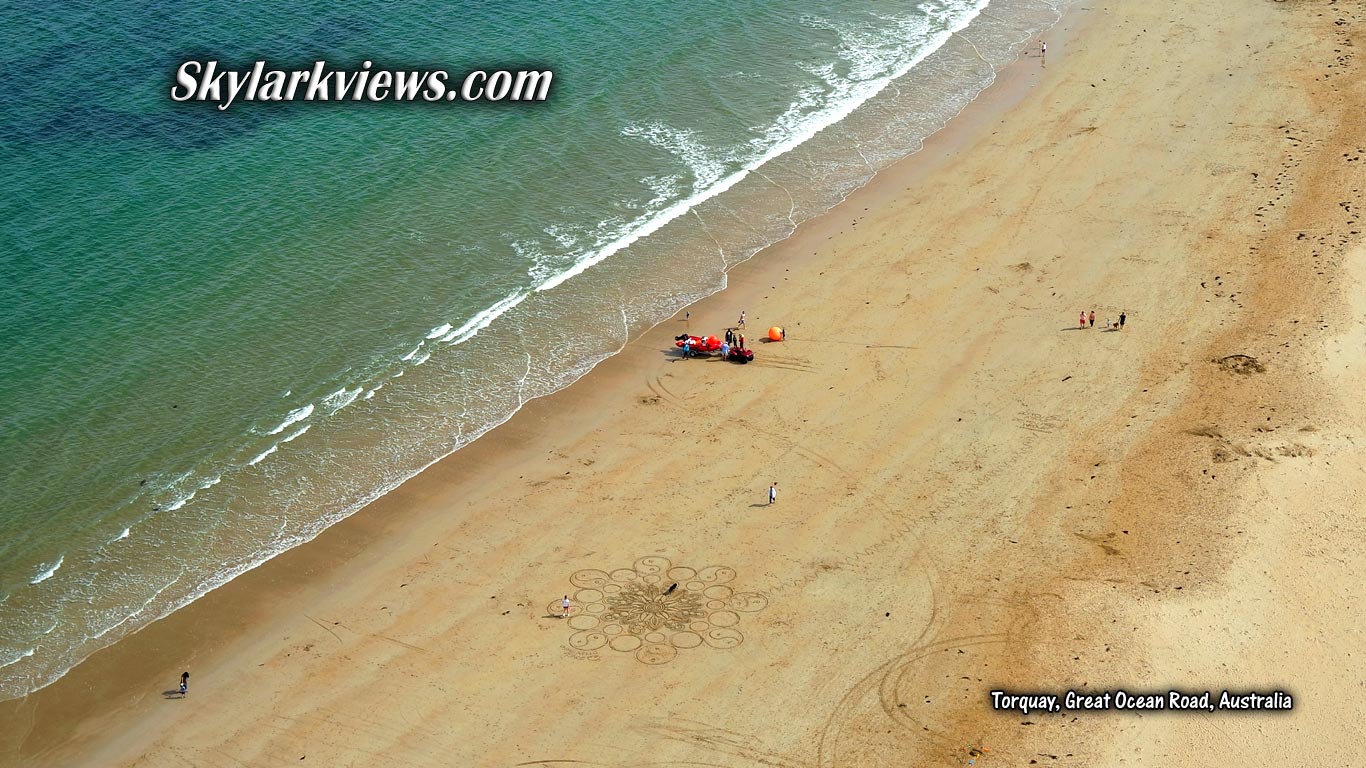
point(974, 493)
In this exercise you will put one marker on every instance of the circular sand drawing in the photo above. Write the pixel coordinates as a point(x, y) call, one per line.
point(655, 609)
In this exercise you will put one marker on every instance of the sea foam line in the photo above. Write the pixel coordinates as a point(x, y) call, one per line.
point(215, 580)
point(296, 434)
point(19, 658)
point(819, 121)
point(798, 131)
point(480, 321)
point(261, 457)
point(340, 399)
point(182, 501)
point(136, 612)
point(298, 414)
point(47, 574)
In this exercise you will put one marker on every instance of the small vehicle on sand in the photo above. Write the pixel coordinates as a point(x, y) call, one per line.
point(710, 345)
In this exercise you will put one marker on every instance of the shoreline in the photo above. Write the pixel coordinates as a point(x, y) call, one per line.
point(157, 602)
point(1010, 85)
point(970, 492)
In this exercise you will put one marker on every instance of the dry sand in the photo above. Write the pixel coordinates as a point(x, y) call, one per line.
point(973, 494)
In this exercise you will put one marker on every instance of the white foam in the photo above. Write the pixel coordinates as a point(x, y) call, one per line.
point(18, 658)
point(47, 574)
point(126, 533)
point(298, 414)
point(296, 434)
point(180, 503)
point(562, 235)
point(480, 321)
point(441, 330)
point(424, 357)
point(134, 614)
point(813, 124)
point(705, 166)
point(263, 455)
point(413, 354)
point(664, 188)
point(340, 399)
point(211, 482)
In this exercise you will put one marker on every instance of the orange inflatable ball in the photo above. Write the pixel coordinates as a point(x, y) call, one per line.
point(775, 334)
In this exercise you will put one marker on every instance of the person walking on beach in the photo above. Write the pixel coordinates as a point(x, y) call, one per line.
point(184, 683)
point(1043, 50)
point(1121, 321)
point(1091, 320)
point(742, 319)
point(773, 492)
point(564, 607)
point(1081, 320)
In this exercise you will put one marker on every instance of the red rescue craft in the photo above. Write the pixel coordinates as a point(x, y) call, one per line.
point(710, 345)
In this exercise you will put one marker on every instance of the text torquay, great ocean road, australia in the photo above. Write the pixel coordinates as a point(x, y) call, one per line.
point(1125, 701)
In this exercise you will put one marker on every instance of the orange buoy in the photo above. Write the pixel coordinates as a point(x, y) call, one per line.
point(775, 334)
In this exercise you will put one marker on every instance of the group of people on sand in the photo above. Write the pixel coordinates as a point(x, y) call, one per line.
point(1088, 320)
point(733, 339)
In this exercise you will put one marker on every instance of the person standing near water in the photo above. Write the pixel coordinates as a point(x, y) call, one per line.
point(773, 492)
point(184, 683)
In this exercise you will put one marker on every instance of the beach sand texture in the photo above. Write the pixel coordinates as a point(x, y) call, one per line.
point(974, 494)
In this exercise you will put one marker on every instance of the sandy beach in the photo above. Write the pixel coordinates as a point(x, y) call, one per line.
point(974, 494)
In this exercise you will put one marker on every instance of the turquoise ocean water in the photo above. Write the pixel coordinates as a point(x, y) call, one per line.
point(223, 332)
